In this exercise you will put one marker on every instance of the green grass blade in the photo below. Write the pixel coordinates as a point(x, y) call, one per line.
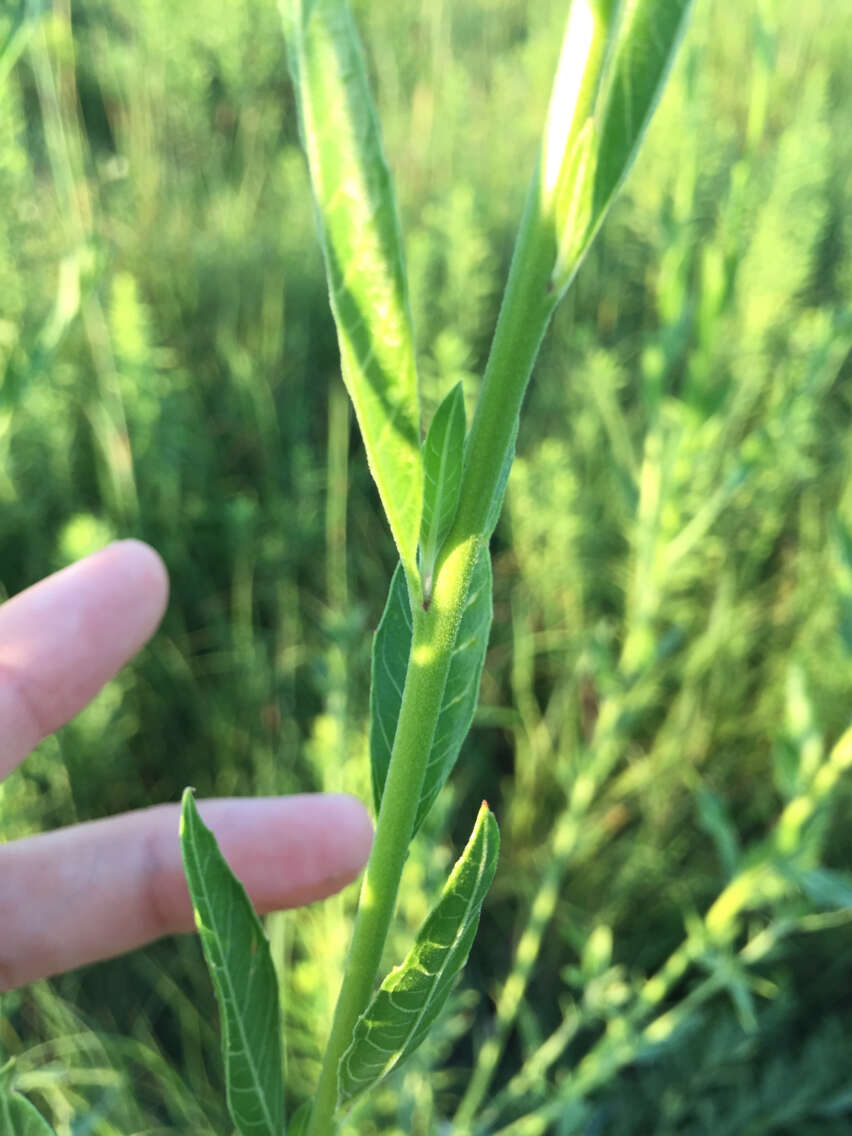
point(362, 246)
point(443, 454)
point(17, 1116)
point(411, 997)
point(14, 45)
point(391, 648)
point(20, 1118)
point(238, 956)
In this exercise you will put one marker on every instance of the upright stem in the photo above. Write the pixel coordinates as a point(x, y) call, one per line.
point(524, 316)
point(431, 651)
point(528, 304)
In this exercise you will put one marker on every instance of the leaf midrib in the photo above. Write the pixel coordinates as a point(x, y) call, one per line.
point(225, 978)
point(439, 973)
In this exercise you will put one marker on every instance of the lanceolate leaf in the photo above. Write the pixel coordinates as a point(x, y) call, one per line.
point(240, 963)
point(613, 67)
point(391, 648)
point(411, 997)
point(443, 454)
point(648, 37)
point(362, 246)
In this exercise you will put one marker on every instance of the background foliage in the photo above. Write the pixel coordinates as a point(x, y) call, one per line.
point(671, 662)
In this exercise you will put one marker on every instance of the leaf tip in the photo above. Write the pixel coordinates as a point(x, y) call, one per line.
point(187, 802)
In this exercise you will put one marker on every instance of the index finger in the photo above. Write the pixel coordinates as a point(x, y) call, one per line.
point(64, 638)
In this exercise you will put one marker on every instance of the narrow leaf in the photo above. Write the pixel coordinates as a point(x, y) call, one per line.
point(443, 454)
point(391, 648)
point(714, 819)
point(240, 964)
point(362, 246)
point(411, 997)
point(17, 1116)
point(613, 67)
point(648, 37)
point(825, 888)
point(575, 200)
point(496, 506)
point(20, 1118)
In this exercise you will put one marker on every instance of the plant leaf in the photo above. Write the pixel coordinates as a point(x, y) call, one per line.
point(714, 819)
point(238, 957)
point(826, 889)
point(362, 246)
point(575, 199)
point(648, 37)
point(496, 506)
point(409, 1000)
point(443, 455)
point(612, 70)
point(20, 1118)
point(391, 648)
point(298, 1124)
point(17, 1116)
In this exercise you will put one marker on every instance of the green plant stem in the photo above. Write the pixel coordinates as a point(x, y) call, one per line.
point(525, 313)
point(527, 307)
point(431, 651)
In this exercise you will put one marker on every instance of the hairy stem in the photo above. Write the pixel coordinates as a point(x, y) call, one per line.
point(527, 307)
point(431, 651)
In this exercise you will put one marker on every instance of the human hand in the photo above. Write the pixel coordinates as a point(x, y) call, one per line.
point(98, 889)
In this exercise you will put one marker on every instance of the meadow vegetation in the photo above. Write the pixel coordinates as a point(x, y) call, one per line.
point(667, 946)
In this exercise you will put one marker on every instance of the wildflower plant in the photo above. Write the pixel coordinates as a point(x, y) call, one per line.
point(442, 497)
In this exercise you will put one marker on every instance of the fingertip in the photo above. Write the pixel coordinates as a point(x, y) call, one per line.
point(145, 567)
point(354, 826)
point(139, 577)
point(294, 849)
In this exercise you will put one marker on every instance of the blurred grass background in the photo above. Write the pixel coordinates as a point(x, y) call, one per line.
point(671, 662)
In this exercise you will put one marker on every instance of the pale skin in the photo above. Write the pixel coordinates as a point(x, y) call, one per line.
point(94, 890)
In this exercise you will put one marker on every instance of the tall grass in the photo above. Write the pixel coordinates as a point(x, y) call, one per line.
point(671, 666)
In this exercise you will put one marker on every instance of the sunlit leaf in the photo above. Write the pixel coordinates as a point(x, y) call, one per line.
point(391, 648)
point(614, 64)
point(575, 200)
point(443, 453)
point(362, 246)
point(413, 994)
point(648, 38)
point(240, 964)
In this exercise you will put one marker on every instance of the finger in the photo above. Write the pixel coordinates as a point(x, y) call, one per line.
point(63, 638)
point(98, 889)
